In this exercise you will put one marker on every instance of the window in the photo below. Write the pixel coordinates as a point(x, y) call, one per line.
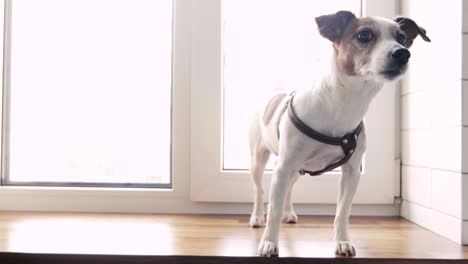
point(90, 93)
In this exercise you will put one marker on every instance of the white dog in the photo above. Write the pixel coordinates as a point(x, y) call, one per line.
point(322, 127)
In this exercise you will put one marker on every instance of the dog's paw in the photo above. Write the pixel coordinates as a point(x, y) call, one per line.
point(344, 248)
point(267, 248)
point(257, 220)
point(290, 217)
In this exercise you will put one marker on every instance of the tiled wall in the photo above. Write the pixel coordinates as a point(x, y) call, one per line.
point(433, 119)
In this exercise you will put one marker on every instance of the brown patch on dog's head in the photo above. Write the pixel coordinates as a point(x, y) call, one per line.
point(342, 29)
point(370, 46)
point(353, 55)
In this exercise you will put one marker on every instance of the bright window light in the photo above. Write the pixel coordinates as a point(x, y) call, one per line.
point(268, 44)
point(91, 91)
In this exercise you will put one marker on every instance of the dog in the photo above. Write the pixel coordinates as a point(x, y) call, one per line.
point(367, 52)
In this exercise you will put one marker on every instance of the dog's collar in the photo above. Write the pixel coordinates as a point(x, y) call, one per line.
point(347, 142)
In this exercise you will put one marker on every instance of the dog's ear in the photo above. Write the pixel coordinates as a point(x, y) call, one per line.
point(332, 26)
point(411, 29)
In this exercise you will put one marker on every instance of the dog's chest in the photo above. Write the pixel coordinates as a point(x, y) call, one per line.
point(321, 156)
point(317, 155)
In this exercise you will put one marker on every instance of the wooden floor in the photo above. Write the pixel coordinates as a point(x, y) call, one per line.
point(375, 237)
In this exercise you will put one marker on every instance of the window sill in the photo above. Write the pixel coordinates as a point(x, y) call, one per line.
point(87, 199)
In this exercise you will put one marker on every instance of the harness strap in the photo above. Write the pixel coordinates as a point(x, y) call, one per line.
point(347, 142)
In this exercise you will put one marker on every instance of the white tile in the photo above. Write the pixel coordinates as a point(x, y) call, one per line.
point(415, 148)
point(440, 223)
point(465, 16)
point(465, 101)
point(433, 64)
point(465, 56)
point(445, 105)
point(446, 192)
point(445, 148)
point(464, 148)
point(435, 107)
point(438, 148)
point(465, 196)
point(414, 110)
point(416, 185)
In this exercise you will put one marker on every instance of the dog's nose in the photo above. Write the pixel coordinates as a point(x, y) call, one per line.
point(401, 56)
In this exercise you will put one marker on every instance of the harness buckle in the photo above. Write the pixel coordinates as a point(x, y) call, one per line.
point(349, 143)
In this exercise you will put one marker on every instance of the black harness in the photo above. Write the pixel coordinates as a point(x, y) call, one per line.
point(347, 142)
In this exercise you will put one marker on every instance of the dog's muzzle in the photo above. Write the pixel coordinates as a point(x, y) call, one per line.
point(397, 63)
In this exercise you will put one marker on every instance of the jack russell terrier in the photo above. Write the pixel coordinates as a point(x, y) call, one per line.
point(316, 130)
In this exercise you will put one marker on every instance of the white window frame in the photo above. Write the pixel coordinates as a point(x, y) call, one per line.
point(210, 183)
point(188, 16)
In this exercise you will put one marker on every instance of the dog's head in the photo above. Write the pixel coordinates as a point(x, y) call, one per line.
point(370, 47)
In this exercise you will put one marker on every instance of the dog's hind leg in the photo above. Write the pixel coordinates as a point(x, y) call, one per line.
point(289, 215)
point(259, 160)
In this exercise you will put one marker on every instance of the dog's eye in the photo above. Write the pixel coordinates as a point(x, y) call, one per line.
point(401, 39)
point(365, 36)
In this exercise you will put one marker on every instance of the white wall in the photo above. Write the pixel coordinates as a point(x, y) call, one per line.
point(433, 124)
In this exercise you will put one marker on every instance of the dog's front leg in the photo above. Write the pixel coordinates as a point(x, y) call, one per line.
point(347, 188)
point(279, 186)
